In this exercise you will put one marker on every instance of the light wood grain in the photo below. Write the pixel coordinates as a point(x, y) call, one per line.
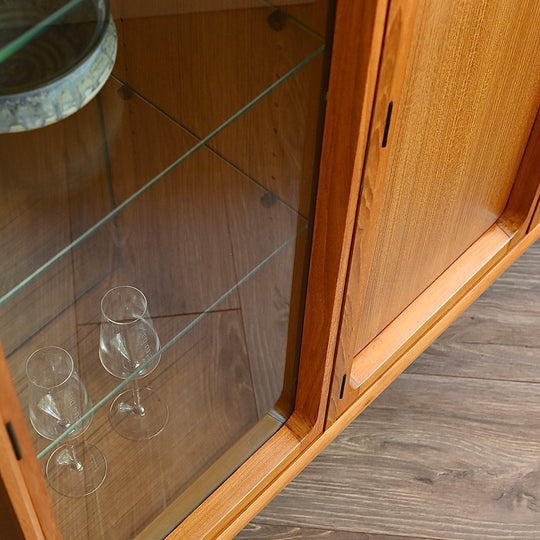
point(397, 36)
point(457, 136)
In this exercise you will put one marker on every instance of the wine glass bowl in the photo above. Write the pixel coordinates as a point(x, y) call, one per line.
point(128, 340)
point(129, 348)
point(58, 402)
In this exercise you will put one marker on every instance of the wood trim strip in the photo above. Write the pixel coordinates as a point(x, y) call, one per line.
point(210, 479)
point(359, 31)
point(398, 33)
point(13, 481)
point(427, 309)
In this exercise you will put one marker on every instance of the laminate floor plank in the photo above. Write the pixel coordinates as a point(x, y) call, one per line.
point(258, 531)
point(451, 449)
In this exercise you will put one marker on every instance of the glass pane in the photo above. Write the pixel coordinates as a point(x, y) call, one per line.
point(191, 177)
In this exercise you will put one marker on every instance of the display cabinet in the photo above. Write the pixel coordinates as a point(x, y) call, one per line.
point(306, 192)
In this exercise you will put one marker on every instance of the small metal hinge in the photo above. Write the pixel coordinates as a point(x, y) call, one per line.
point(14, 442)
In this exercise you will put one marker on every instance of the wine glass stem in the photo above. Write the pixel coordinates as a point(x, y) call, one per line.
point(75, 463)
point(137, 405)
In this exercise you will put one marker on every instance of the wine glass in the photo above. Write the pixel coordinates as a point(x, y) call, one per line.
point(58, 399)
point(129, 343)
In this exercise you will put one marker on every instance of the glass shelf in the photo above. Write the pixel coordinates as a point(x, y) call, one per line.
point(191, 177)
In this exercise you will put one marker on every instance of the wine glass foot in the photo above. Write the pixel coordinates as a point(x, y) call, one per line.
point(139, 420)
point(76, 469)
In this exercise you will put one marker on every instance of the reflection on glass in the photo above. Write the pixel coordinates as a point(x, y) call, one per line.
point(58, 399)
point(129, 343)
point(191, 177)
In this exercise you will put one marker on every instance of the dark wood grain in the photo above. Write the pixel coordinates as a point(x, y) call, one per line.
point(450, 450)
point(48, 178)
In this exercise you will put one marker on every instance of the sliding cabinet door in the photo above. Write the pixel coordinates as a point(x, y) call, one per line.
point(458, 91)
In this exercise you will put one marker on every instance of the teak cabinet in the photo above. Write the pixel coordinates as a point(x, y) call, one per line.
point(428, 189)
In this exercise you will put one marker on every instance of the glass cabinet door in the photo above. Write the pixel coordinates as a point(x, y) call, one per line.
point(155, 230)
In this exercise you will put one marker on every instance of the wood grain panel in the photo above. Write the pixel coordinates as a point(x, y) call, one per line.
point(359, 30)
point(47, 189)
point(270, 141)
point(223, 59)
point(259, 225)
point(469, 98)
point(164, 241)
point(265, 304)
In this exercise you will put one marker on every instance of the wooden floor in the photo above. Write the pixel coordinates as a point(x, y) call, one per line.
point(450, 451)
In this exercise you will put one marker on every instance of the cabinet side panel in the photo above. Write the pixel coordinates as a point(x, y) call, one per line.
point(461, 123)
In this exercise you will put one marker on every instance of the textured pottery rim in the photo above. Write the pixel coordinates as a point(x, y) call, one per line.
point(67, 92)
